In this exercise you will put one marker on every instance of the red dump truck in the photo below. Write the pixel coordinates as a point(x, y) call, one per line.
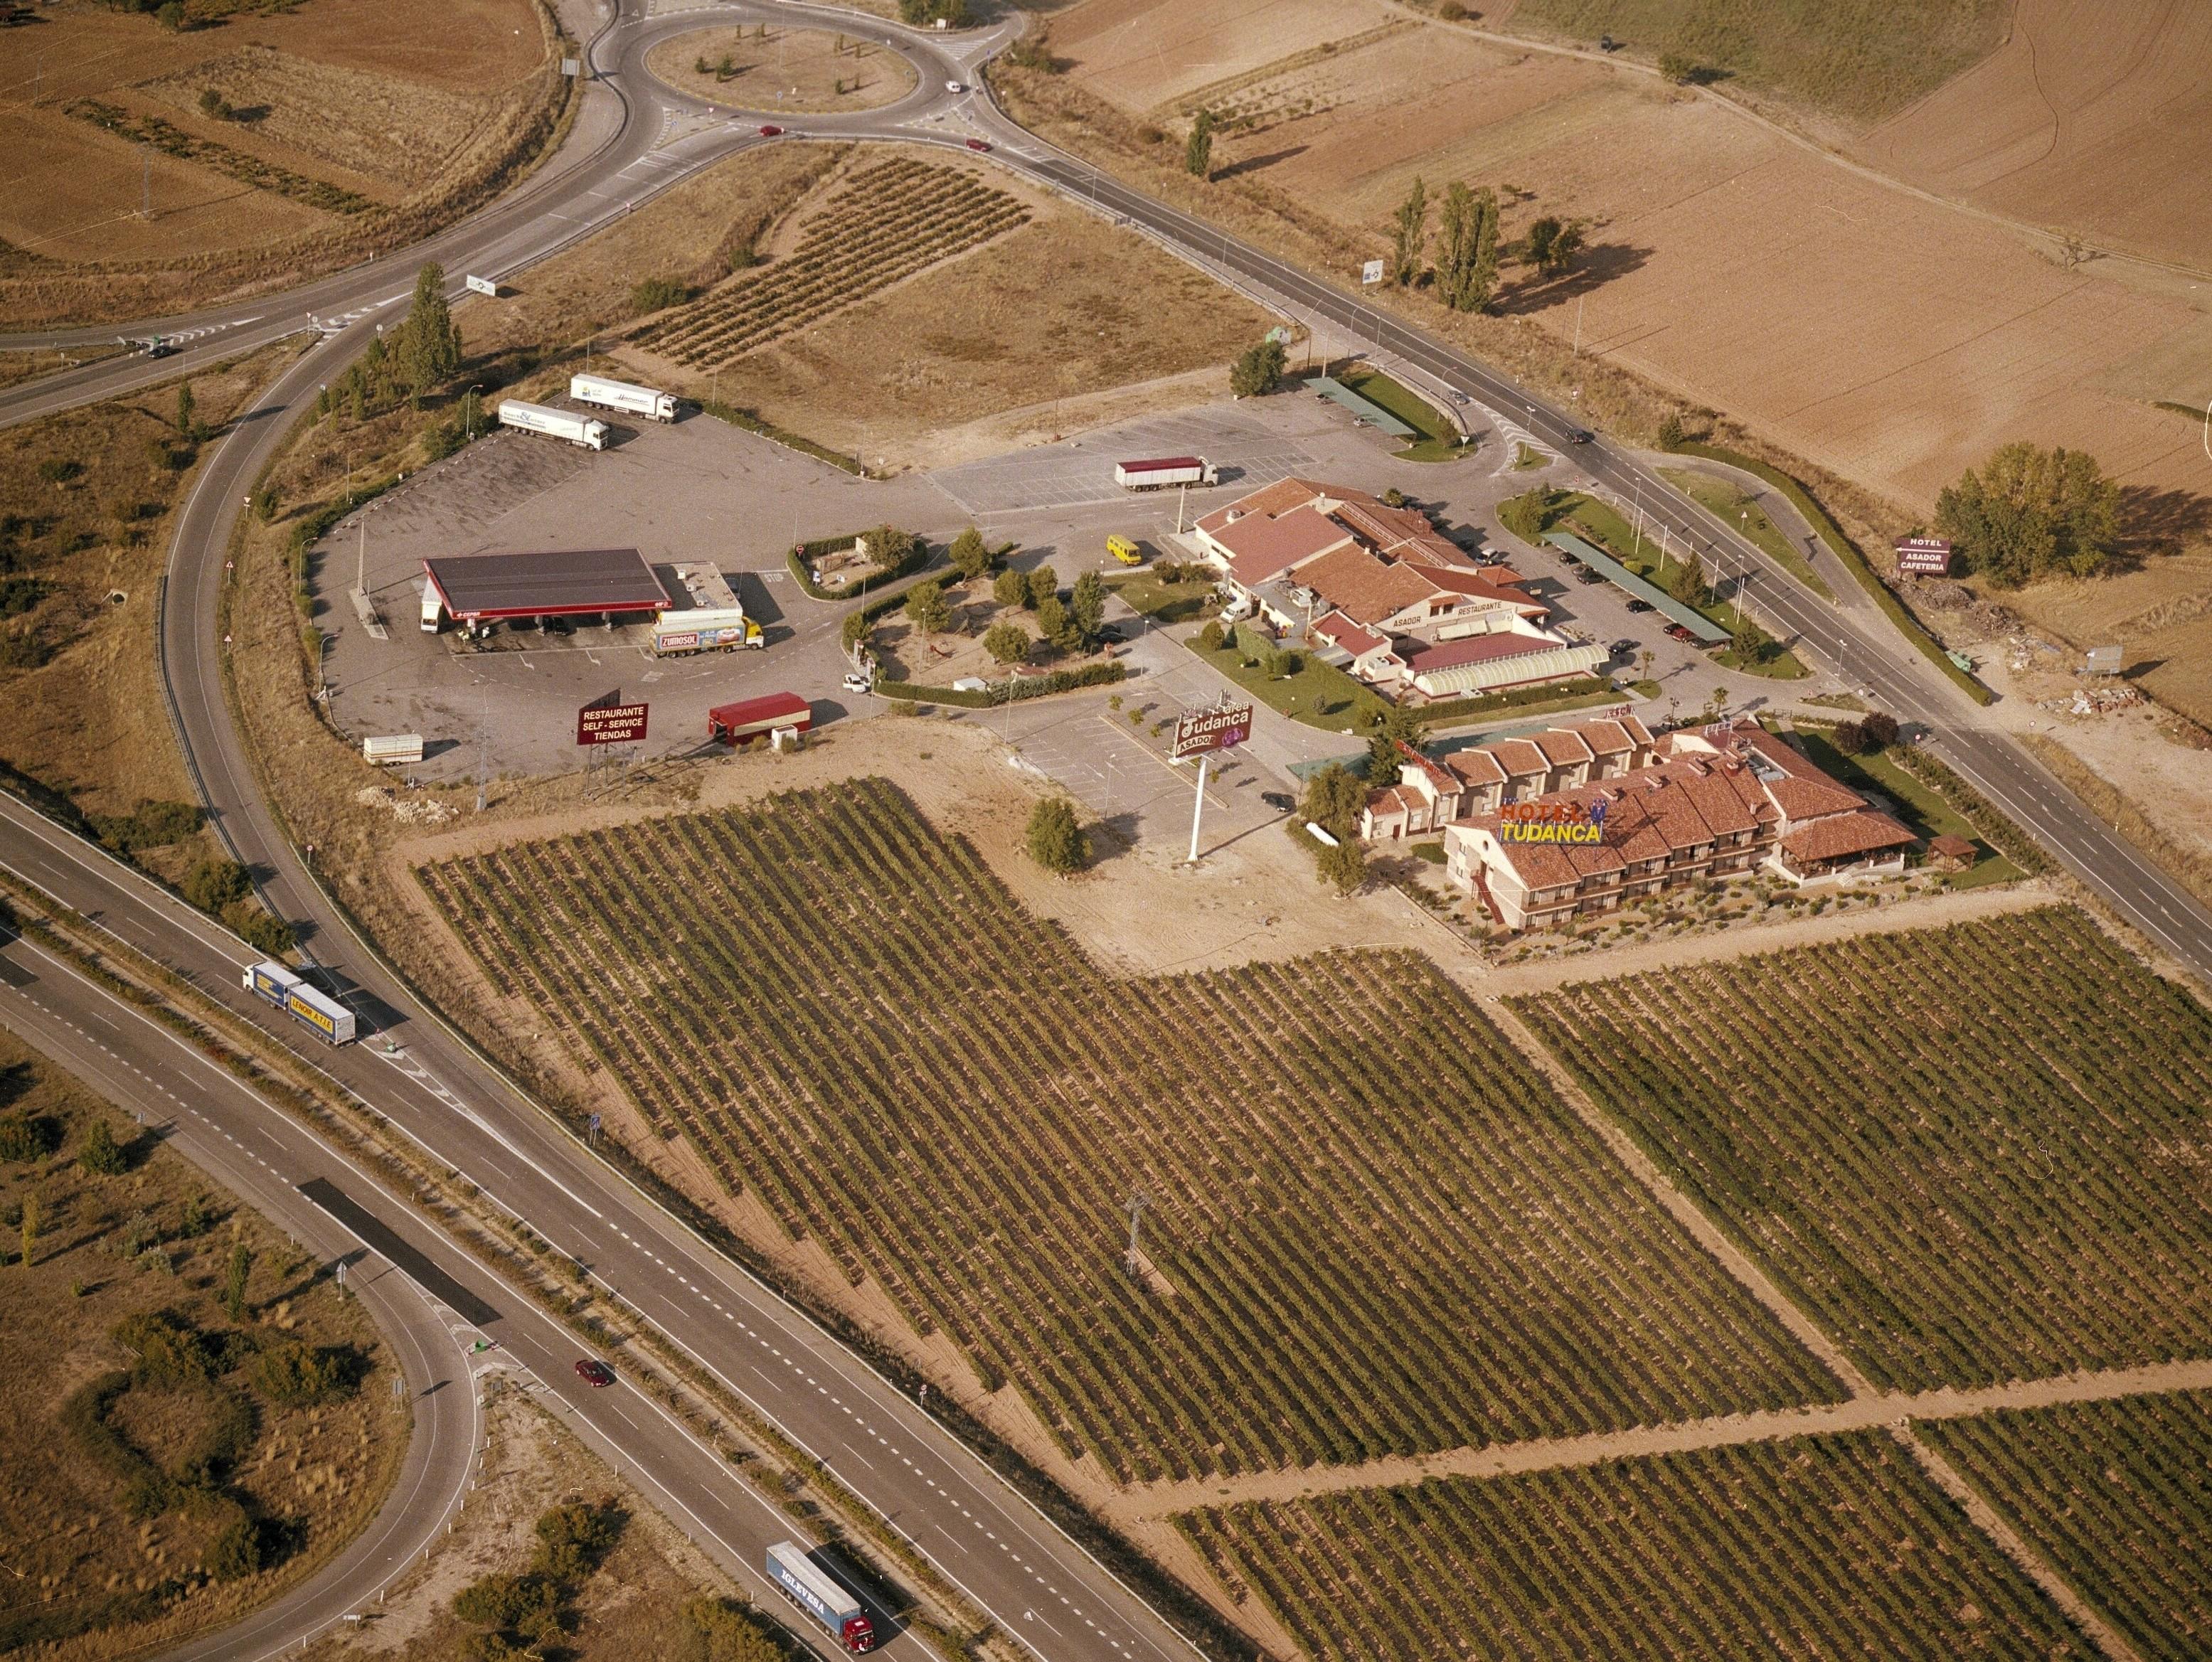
point(749, 718)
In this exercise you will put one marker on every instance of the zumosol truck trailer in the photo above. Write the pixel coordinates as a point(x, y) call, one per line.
point(289, 991)
point(580, 430)
point(723, 629)
point(798, 1580)
point(630, 399)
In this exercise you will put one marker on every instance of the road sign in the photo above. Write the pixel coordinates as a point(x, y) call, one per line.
point(1371, 273)
point(1924, 556)
point(482, 286)
point(1221, 729)
point(571, 68)
point(610, 724)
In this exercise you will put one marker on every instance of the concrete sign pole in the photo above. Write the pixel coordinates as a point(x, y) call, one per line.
point(1197, 807)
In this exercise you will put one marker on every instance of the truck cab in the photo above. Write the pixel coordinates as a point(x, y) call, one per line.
point(1125, 550)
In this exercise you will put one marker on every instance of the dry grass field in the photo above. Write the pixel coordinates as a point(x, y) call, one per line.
point(1892, 339)
point(2162, 612)
point(101, 1572)
point(76, 666)
point(783, 71)
point(2094, 114)
point(413, 108)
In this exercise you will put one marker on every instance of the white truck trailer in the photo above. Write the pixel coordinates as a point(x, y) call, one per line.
point(623, 396)
point(724, 629)
point(1163, 471)
point(797, 1579)
point(580, 430)
point(289, 991)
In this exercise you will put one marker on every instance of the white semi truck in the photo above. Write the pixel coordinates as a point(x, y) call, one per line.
point(580, 430)
point(289, 991)
point(1163, 471)
point(622, 396)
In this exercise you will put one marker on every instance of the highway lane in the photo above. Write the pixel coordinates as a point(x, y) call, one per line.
point(979, 1533)
point(208, 1117)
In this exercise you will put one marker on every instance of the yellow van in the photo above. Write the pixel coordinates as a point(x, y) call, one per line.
point(1124, 550)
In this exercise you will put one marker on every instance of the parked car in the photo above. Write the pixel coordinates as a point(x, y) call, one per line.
point(595, 1373)
point(771, 133)
point(1586, 575)
point(1677, 631)
point(857, 683)
point(556, 626)
point(1640, 605)
point(1281, 801)
point(1111, 635)
point(1626, 645)
point(978, 144)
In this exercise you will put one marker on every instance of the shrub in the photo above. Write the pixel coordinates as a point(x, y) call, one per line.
point(237, 1551)
point(506, 1602)
point(1258, 369)
point(291, 1372)
point(100, 1154)
point(213, 884)
point(1671, 433)
point(1679, 69)
point(658, 294)
point(725, 1632)
point(574, 1536)
point(1210, 637)
point(59, 469)
point(152, 824)
point(1528, 515)
point(1055, 842)
point(259, 929)
point(26, 1136)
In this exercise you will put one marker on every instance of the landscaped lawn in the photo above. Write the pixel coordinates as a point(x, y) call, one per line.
point(1318, 694)
point(1594, 522)
point(1164, 602)
point(1923, 812)
point(1734, 507)
point(1439, 439)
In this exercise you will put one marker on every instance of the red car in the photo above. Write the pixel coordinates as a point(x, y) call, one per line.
point(771, 133)
point(977, 144)
point(596, 1374)
point(1678, 632)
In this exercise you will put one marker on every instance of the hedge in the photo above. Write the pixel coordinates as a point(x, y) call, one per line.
point(738, 417)
point(1011, 691)
point(1997, 827)
point(1459, 709)
point(918, 557)
point(1854, 562)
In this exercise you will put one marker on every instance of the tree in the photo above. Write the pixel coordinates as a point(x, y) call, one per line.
point(1258, 369)
point(1849, 737)
point(856, 627)
point(1528, 515)
point(1055, 842)
point(1686, 583)
point(234, 1279)
point(1210, 637)
point(1553, 244)
point(1879, 729)
point(213, 105)
point(237, 1551)
point(1333, 796)
point(1467, 248)
point(1007, 643)
point(100, 1153)
point(1671, 435)
point(970, 557)
point(185, 422)
point(1086, 607)
point(928, 609)
point(1400, 725)
point(1010, 589)
point(1198, 154)
point(1410, 239)
point(1284, 661)
point(1678, 68)
point(1753, 645)
point(429, 349)
point(171, 16)
point(922, 13)
point(1044, 584)
point(575, 1537)
point(1343, 867)
point(1057, 623)
point(2031, 512)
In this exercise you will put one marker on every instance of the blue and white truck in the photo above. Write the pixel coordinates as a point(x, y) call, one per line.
point(290, 992)
point(797, 1579)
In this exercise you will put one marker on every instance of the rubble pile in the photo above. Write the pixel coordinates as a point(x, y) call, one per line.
point(2091, 700)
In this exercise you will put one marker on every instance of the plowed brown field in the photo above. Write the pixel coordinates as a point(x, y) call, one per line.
point(1893, 339)
point(2095, 114)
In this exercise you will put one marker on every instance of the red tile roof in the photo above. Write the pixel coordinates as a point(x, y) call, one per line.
point(1365, 588)
point(1260, 548)
point(1476, 767)
point(1560, 747)
point(1519, 758)
point(1839, 836)
point(1340, 629)
point(1278, 498)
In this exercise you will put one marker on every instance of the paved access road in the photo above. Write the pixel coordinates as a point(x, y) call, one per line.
point(979, 1533)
